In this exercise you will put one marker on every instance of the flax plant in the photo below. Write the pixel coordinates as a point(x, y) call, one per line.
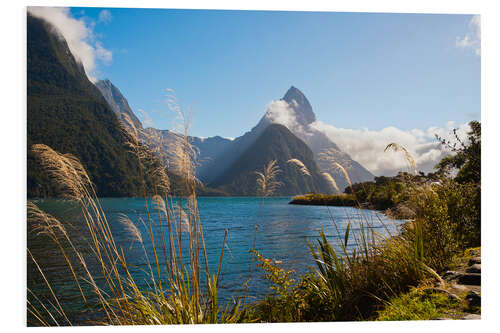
point(352, 282)
point(349, 280)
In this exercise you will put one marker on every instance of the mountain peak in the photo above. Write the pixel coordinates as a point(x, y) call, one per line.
point(278, 143)
point(117, 101)
point(294, 90)
point(105, 83)
point(299, 103)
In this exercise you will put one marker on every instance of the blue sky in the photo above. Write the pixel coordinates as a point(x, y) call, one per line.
point(359, 70)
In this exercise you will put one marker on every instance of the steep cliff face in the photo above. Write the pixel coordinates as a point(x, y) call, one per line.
point(68, 113)
point(208, 149)
point(117, 101)
point(275, 143)
point(299, 116)
point(72, 115)
point(299, 103)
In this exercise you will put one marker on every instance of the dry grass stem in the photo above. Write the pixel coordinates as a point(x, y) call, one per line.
point(396, 147)
point(266, 180)
point(303, 169)
point(332, 182)
point(65, 170)
point(130, 227)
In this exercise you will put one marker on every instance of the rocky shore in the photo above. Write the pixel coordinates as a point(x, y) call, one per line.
point(463, 283)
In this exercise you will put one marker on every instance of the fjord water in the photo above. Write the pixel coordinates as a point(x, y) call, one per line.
point(281, 231)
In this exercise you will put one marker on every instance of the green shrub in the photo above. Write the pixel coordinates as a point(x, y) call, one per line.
point(447, 221)
point(325, 199)
point(289, 300)
point(375, 271)
point(345, 285)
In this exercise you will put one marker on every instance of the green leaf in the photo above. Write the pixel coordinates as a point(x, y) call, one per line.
point(346, 237)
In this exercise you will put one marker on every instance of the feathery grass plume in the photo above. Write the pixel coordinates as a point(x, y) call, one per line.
point(338, 164)
point(335, 155)
point(266, 180)
point(332, 156)
point(266, 186)
point(147, 146)
point(183, 159)
point(43, 223)
point(143, 143)
point(67, 173)
point(303, 169)
point(128, 126)
point(137, 236)
point(346, 175)
point(130, 227)
point(160, 204)
point(396, 147)
point(156, 143)
point(162, 179)
point(331, 181)
point(65, 170)
point(133, 138)
point(180, 215)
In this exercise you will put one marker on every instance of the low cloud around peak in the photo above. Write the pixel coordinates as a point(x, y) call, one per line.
point(367, 146)
point(79, 35)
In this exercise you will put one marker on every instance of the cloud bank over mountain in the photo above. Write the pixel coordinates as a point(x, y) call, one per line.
point(79, 34)
point(280, 112)
point(367, 146)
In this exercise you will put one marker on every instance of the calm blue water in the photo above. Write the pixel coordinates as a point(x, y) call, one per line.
point(283, 231)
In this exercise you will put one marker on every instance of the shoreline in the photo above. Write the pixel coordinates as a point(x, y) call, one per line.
point(399, 212)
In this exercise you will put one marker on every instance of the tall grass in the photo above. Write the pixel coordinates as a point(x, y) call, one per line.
point(352, 280)
point(267, 184)
point(349, 281)
point(182, 289)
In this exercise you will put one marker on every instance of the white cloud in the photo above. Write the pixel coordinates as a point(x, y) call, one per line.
point(105, 16)
point(472, 38)
point(79, 35)
point(103, 54)
point(280, 112)
point(367, 146)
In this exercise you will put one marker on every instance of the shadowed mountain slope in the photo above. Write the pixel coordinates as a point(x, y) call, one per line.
point(208, 148)
point(68, 113)
point(117, 101)
point(300, 118)
point(301, 123)
point(275, 143)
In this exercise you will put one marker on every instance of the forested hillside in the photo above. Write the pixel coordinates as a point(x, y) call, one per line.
point(68, 113)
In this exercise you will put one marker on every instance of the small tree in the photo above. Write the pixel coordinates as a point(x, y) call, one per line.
point(467, 157)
